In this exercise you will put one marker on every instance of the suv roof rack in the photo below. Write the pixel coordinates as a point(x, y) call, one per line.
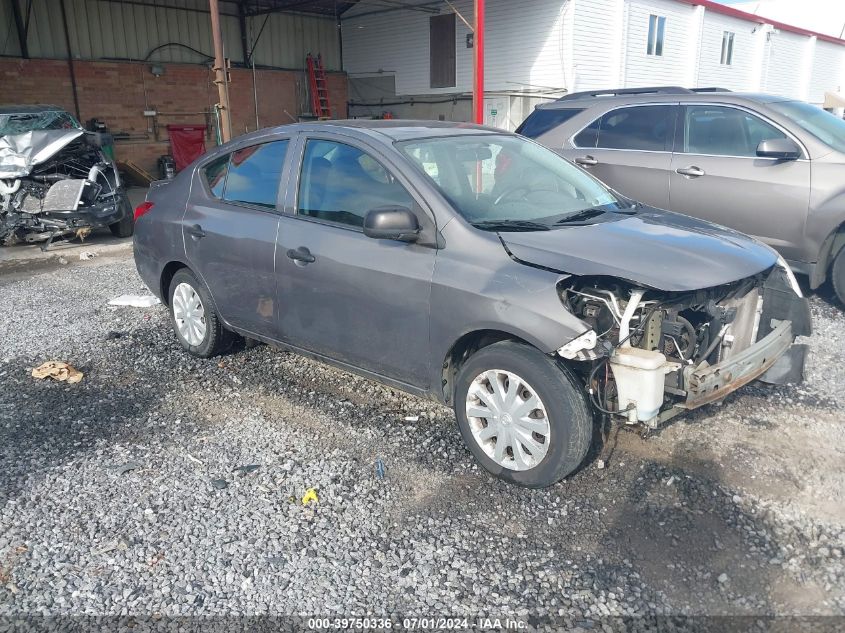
point(652, 90)
point(658, 90)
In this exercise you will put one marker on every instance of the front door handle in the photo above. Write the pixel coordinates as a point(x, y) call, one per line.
point(691, 172)
point(195, 231)
point(586, 161)
point(301, 255)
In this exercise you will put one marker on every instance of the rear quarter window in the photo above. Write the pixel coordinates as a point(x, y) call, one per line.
point(214, 175)
point(541, 121)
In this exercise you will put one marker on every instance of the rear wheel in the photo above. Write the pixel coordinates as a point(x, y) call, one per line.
point(837, 273)
point(522, 415)
point(194, 317)
point(126, 226)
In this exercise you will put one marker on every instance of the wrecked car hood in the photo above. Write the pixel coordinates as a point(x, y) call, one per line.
point(662, 250)
point(19, 153)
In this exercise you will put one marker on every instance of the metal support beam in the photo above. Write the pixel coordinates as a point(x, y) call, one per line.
point(220, 73)
point(70, 62)
point(478, 64)
point(16, 12)
point(242, 26)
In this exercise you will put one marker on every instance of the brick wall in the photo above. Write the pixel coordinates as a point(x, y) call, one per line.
point(119, 92)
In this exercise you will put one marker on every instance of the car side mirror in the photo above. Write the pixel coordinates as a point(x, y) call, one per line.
point(780, 148)
point(391, 223)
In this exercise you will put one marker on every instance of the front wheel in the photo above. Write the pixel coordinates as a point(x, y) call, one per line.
point(126, 226)
point(194, 317)
point(523, 416)
point(837, 273)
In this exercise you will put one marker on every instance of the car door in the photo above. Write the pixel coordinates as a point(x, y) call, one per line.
point(717, 176)
point(229, 230)
point(629, 149)
point(343, 295)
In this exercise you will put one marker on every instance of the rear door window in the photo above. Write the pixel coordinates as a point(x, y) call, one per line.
point(541, 121)
point(725, 131)
point(254, 174)
point(643, 128)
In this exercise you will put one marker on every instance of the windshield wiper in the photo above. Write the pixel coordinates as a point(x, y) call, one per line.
point(511, 225)
point(583, 214)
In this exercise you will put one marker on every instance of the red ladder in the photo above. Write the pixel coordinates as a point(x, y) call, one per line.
point(317, 84)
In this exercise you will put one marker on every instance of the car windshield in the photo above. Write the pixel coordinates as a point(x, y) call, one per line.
point(823, 125)
point(501, 181)
point(21, 122)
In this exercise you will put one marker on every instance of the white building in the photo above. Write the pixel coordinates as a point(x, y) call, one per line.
point(416, 61)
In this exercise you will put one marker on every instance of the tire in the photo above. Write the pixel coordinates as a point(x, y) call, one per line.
point(126, 226)
point(211, 340)
point(837, 274)
point(566, 414)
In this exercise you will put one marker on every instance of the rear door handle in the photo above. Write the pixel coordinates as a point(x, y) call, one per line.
point(301, 255)
point(195, 231)
point(586, 161)
point(692, 171)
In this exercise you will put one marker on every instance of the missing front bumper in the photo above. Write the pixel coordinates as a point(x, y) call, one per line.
point(773, 352)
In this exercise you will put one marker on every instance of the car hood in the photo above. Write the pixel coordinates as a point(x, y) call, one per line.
point(662, 250)
point(19, 153)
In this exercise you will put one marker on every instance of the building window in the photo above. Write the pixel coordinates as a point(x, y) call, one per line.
point(442, 50)
point(727, 48)
point(656, 27)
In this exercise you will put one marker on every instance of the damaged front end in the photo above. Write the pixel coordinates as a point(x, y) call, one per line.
point(652, 354)
point(57, 182)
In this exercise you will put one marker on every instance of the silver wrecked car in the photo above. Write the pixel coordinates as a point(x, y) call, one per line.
point(55, 180)
point(474, 267)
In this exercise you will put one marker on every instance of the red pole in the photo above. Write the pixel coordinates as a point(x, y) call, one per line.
point(478, 64)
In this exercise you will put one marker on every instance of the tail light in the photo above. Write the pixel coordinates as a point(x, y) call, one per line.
point(142, 209)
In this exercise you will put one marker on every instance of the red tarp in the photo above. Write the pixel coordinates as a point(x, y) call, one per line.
point(187, 142)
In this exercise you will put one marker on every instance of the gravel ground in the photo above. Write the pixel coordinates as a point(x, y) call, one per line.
point(122, 494)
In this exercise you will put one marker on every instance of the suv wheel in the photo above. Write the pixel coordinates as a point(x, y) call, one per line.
point(522, 415)
point(194, 317)
point(837, 273)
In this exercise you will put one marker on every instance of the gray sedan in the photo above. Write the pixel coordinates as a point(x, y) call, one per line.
point(474, 267)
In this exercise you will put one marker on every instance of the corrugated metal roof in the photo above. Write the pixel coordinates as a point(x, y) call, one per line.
point(176, 31)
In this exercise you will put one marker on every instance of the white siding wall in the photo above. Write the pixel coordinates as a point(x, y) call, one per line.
point(593, 40)
point(673, 67)
point(594, 44)
point(524, 46)
point(828, 74)
point(744, 72)
point(783, 67)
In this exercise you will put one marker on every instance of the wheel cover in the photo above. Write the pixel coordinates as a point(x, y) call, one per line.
point(189, 314)
point(508, 419)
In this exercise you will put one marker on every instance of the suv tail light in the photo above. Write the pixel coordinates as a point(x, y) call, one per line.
point(142, 209)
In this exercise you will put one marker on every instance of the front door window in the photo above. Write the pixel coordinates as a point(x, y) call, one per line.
point(341, 183)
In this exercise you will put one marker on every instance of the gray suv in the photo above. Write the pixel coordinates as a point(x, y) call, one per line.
point(473, 267)
point(770, 167)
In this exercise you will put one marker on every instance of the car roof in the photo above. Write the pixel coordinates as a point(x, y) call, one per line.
point(30, 109)
point(383, 130)
point(581, 100)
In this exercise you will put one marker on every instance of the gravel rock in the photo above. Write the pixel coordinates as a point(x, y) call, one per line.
point(436, 535)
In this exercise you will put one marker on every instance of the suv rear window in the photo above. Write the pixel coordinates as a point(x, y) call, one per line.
point(541, 121)
point(645, 128)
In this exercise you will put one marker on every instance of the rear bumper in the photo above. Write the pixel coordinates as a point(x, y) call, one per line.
point(775, 352)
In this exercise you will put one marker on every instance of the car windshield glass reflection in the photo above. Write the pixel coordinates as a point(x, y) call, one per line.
point(505, 183)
